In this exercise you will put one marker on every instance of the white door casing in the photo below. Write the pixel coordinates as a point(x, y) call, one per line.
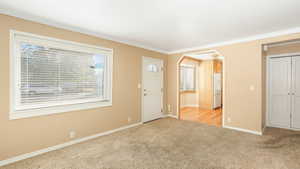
point(279, 92)
point(152, 91)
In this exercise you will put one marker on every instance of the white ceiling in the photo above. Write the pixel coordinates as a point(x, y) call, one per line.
point(163, 25)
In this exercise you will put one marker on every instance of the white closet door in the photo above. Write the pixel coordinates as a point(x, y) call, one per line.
point(296, 92)
point(280, 100)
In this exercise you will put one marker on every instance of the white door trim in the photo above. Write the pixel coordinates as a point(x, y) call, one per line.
point(142, 87)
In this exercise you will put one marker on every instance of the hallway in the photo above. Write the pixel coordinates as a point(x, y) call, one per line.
point(210, 117)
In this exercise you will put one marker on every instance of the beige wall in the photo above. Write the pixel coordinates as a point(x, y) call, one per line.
point(206, 70)
point(289, 48)
point(27, 135)
point(190, 98)
point(243, 67)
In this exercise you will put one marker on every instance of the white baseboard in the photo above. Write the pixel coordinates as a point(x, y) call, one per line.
point(243, 130)
point(190, 105)
point(172, 116)
point(56, 147)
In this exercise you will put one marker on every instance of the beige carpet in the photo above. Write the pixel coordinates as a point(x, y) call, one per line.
point(173, 144)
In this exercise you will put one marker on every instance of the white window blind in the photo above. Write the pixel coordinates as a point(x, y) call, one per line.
point(187, 78)
point(50, 73)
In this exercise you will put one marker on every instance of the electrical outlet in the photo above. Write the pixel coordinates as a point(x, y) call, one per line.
point(72, 134)
point(129, 119)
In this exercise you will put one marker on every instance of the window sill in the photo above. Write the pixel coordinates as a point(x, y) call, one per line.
point(20, 114)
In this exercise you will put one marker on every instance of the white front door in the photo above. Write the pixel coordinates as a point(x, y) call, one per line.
point(152, 89)
point(295, 92)
point(279, 88)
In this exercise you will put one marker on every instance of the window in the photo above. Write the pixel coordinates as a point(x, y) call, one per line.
point(52, 76)
point(187, 78)
point(152, 68)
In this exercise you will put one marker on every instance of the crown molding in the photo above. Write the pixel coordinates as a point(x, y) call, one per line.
point(76, 29)
point(247, 39)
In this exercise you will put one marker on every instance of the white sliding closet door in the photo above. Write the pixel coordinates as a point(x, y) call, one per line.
point(296, 92)
point(279, 90)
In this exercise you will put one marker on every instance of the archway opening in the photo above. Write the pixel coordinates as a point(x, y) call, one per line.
point(201, 87)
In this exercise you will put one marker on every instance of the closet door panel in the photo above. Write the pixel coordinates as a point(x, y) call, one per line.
point(279, 86)
point(296, 92)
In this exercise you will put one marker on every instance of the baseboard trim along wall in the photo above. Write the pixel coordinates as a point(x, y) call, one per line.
point(60, 146)
point(243, 130)
point(189, 105)
point(172, 116)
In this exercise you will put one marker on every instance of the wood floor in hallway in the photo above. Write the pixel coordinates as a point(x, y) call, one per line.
point(210, 117)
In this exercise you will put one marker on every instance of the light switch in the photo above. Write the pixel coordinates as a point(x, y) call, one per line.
point(139, 86)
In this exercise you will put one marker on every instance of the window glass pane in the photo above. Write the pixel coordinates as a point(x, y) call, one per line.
point(190, 79)
point(55, 75)
point(152, 68)
point(187, 78)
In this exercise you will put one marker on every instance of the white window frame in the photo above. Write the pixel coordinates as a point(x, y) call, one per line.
point(15, 64)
